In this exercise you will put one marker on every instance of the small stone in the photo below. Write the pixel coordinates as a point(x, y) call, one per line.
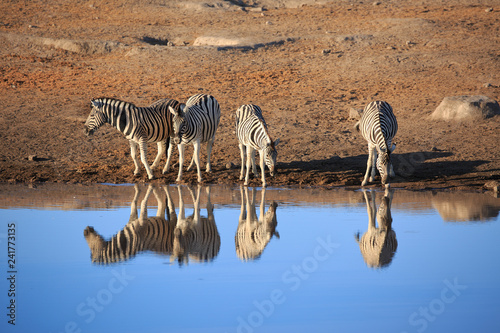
point(434, 149)
point(376, 3)
point(229, 165)
point(326, 51)
point(488, 10)
point(487, 85)
point(269, 23)
point(493, 185)
point(32, 158)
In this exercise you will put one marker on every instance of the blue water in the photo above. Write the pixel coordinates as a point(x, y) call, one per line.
point(443, 276)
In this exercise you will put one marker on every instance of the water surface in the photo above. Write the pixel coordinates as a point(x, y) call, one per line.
point(318, 260)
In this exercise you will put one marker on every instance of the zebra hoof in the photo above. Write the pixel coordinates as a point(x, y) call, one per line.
point(364, 183)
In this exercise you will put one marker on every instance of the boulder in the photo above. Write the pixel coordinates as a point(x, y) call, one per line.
point(466, 107)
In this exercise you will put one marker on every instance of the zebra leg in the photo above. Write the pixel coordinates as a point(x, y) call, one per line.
point(170, 205)
point(374, 164)
point(250, 157)
point(143, 216)
point(368, 165)
point(209, 153)
point(262, 166)
point(196, 157)
point(391, 149)
point(133, 205)
point(243, 211)
point(243, 155)
point(143, 146)
point(161, 150)
point(169, 155)
point(254, 166)
point(190, 164)
point(133, 152)
point(181, 161)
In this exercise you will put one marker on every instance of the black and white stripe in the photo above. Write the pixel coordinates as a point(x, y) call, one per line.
point(254, 233)
point(142, 233)
point(140, 125)
point(252, 133)
point(378, 244)
point(194, 123)
point(195, 237)
point(378, 126)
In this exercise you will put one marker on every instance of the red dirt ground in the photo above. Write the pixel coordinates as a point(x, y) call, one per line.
point(306, 66)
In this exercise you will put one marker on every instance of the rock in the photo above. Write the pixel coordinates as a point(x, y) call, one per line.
point(492, 185)
point(229, 165)
point(32, 158)
point(466, 107)
point(488, 10)
point(355, 113)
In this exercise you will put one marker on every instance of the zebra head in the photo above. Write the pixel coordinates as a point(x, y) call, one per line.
point(96, 117)
point(178, 122)
point(384, 165)
point(270, 155)
point(95, 242)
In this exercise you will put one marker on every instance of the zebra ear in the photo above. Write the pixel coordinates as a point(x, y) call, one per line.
point(173, 111)
point(96, 103)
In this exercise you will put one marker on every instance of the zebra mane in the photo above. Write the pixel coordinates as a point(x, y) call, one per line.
point(264, 125)
point(110, 101)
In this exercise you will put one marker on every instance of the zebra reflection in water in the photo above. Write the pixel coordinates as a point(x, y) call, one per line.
point(253, 234)
point(378, 244)
point(159, 234)
point(195, 237)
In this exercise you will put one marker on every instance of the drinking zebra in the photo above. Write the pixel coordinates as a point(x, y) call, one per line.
point(195, 237)
point(378, 244)
point(140, 125)
point(378, 126)
point(252, 133)
point(253, 234)
point(142, 233)
point(194, 123)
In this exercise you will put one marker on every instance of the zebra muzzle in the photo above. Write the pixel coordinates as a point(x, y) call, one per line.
point(88, 132)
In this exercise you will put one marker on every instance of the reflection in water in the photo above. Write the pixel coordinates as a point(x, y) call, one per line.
point(195, 236)
point(253, 234)
point(378, 244)
point(465, 207)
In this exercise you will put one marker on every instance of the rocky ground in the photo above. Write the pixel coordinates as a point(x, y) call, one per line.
point(306, 63)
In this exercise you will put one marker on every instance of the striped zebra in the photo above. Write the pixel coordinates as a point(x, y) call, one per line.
point(194, 123)
point(378, 245)
point(140, 125)
point(142, 233)
point(253, 234)
point(378, 126)
point(252, 133)
point(195, 237)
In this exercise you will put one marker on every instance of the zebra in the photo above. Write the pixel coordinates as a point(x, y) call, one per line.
point(194, 123)
point(253, 234)
point(378, 126)
point(142, 233)
point(252, 133)
point(195, 237)
point(378, 245)
point(140, 125)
